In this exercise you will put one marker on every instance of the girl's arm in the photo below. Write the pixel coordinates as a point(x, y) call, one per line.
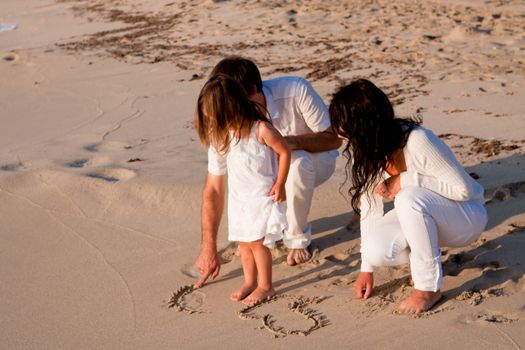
point(273, 139)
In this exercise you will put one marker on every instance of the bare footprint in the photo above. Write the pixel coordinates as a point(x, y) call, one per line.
point(92, 148)
point(228, 253)
point(11, 167)
point(475, 297)
point(339, 259)
point(10, 57)
point(493, 317)
point(96, 161)
point(77, 163)
point(112, 174)
point(190, 270)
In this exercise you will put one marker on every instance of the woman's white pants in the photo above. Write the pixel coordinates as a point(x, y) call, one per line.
point(421, 222)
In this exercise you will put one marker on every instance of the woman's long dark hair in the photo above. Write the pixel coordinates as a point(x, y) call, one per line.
point(362, 113)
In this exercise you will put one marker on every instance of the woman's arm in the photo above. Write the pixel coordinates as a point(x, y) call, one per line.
point(372, 209)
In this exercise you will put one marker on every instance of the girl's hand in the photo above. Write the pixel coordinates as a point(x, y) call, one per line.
point(278, 193)
point(273, 139)
point(389, 188)
point(363, 285)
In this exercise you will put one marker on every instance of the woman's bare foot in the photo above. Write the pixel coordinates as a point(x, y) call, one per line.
point(418, 301)
point(243, 292)
point(298, 256)
point(257, 295)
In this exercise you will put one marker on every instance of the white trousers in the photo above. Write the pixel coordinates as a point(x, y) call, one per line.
point(421, 222)
point(307, 171)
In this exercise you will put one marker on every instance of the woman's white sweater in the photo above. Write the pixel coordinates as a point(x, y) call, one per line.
point(430, 164)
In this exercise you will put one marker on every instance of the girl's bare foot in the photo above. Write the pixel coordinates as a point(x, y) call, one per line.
point(257, 295)
point(418, 301)
point(243, 292)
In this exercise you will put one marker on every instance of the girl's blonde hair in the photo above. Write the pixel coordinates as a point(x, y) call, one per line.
point(223, 111)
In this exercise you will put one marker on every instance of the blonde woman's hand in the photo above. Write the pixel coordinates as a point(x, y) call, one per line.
point(278, 193)
point(389, 188)
point(363, 285)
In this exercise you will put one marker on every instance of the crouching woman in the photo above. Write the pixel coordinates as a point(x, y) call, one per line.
point(436, 203)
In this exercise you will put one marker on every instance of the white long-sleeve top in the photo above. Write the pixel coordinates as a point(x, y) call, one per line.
point(430, 164)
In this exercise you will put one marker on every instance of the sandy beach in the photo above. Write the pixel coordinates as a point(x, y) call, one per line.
point(101, 172)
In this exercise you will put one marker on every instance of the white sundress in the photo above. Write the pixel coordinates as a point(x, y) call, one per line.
point(252, 171)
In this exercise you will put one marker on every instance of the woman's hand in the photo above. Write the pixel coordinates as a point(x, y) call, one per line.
point(278, 193)
point(389, 188)
point(363, 285)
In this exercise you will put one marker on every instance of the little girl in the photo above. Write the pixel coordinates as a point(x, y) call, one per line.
point(228, 123)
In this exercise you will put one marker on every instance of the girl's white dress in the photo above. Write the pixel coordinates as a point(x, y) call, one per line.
point(252, 213)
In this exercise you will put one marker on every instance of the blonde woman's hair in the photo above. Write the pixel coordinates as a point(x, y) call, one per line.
point(224, 112)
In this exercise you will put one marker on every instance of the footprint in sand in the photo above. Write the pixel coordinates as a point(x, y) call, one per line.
point(11, 167)
point(10, 57)
point(77, 163)
point(92, 148)
point(296, 306)
point(474, 297)
point(187, 299)
point(112, 175)
point(498, 273)
point(96, 161)
point(346, 258)
point(337, 258)
point(490, 317)
point(456, 263)
point(228, 253)
point(112, 146)
point(337, 269)
point(190, 270)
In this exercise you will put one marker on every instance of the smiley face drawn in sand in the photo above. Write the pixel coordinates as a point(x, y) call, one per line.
point(298, 305)
point(187, 299)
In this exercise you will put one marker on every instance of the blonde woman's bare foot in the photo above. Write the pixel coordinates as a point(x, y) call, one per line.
point(418, 301)
point(243, 292)
point(257, 295)
point(298, 256)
